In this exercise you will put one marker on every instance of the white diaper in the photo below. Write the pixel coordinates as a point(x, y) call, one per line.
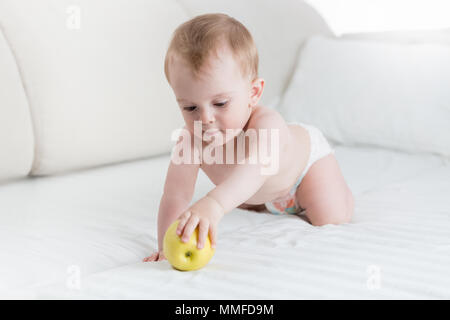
point(319, 148)
point(319, 144)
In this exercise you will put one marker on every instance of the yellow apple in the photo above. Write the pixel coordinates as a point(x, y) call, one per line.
point(185, 256)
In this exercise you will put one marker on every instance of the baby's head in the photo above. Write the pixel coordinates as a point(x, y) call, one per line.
point(212, 66)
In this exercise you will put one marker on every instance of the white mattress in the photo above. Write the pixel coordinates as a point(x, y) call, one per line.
point(102, 222)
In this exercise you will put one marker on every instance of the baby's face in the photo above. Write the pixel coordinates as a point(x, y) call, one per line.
point(221, 98)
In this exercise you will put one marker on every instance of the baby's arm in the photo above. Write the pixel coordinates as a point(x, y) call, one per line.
point(206, 213)
point(178, 192)
point(241, 185)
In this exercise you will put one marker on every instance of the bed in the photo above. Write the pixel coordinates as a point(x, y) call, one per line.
point(83, 236)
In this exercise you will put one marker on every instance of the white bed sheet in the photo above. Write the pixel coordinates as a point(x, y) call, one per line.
point(102, 222)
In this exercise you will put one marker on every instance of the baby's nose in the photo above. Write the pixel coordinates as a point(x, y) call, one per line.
point(207, 116)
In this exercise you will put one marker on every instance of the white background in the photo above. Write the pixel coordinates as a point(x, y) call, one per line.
point(349, 16)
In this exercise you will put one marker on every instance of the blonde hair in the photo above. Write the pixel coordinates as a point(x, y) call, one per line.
point(196, 39)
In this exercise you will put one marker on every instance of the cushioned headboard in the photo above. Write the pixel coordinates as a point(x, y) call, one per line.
point(93, 70)
point(94, 76)
point(16, 137)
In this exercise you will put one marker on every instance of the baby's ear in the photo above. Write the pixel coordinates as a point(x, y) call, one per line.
point(256, 90)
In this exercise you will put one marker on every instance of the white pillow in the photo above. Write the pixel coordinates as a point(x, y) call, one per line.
point(374, 93)
point(94, 75)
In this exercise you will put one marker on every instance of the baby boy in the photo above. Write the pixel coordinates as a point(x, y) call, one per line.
point(212, 66)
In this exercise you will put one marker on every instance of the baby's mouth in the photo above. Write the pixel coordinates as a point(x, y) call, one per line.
point(208, 134)
point(210, 131)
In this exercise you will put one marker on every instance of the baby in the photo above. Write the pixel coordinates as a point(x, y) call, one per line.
point(212, 66)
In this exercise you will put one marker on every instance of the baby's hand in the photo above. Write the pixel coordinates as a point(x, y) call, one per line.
point(157, 256)
point(206, 213)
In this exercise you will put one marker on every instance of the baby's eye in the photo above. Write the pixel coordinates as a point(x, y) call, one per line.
point(221, 104)
point(190, 109)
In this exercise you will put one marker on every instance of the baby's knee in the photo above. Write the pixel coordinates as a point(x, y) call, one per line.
point(333, 213)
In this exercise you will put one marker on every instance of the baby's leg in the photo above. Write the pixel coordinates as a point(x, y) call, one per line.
point(324, 194)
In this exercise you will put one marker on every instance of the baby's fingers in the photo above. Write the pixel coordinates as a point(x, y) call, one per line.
point(153, 257)
point(182, 221)
point(213, 235)
point(202, 233)
point(189, 228)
